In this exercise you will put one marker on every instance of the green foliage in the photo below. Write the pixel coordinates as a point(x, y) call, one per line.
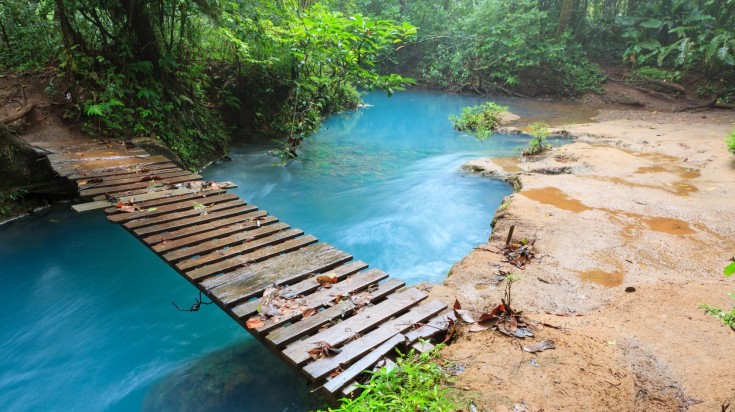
point(727, 317)
point(415, 385)
point(730, 141)
point(479, 120)
point(654, 73)
point(28, 39)
point(539, 132)
point(10, 200)
point(681, 33)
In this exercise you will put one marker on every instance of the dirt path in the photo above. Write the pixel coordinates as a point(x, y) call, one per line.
point(641, 200)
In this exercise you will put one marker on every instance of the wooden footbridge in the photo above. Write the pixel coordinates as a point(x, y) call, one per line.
point(323, 313)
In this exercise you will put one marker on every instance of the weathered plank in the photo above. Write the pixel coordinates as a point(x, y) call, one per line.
point(234, 287)
point(244, 218)
point(279, 337)
point(291, 333)
point(102, 204)
point(198, 196)
point(307, 285)
point(244, 241)
point(248, 226)
point(336, 383)
point(297, 352)
point(357, 348)
point(204, 216)
point(94, 155)
point(259, 254)
point(139, 185)
point(435, 325)
point(193, 209)
point(155, 211)
point(105, 165)
point(149, 177)
point(125, 171)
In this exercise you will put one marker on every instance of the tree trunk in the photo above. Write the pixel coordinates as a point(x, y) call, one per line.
point(67, 34)
point(141, 27)
point(6, 40)
point(565, 15)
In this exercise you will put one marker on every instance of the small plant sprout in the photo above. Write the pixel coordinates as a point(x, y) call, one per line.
point(539, 132)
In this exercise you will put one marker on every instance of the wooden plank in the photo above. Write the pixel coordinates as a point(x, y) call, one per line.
point(198, 196)
point(137, 185)
point(297, 352)
point(248, 225)
point(246, 218)
point(363, 364)
point(194, 220)
point(310, 324)
point(93, 155)
point(291, 333)
point(237, 286)
point(357, 348)
point(184, 218)
point(244, 242)
point(101, 204)
point(422, 346)
point(305, 286)
point(126, 171)
point(259, 254)
point(106, 165)
point(324, 297)
point(111, 181)
point(185, 205)
point(388, 364)
point(435, 325)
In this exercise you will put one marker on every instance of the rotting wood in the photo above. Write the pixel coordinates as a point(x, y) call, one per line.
point(286, 335)
point(259, 254)
point(297, 352)
point(18, 115)
point(356, 349)
point(363, 364)
point(237, 286)
point(307, 285)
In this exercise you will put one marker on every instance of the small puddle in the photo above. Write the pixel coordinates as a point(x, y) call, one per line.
point(668, 225)
point(683, 172)
point(609, 280)
point(555, 197)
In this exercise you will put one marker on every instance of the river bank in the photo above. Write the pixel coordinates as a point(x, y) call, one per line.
point(632, 225)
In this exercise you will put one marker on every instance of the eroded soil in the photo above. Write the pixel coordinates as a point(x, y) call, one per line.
point(643, 201)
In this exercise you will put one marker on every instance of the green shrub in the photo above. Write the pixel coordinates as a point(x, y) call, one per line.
point(413, 386)
point(539, 132)
point(655, 73)
point(479, 120)
point(730, 140)
point(727, 317)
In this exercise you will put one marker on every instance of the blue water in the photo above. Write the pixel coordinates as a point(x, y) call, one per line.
point(87, 322)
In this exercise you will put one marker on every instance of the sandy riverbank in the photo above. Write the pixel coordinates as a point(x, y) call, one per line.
point(643, 200)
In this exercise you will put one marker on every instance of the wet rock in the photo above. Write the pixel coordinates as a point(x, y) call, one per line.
point(564, 170)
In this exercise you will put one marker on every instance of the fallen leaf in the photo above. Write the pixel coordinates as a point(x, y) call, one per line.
point(151, 209)
point(254, 323)
point(457, 305)
point(308, 312)
point(541, 346)
point(126, 209)
point(326, 280)
point(464, 315)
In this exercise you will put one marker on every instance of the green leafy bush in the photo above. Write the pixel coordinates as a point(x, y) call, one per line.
point(730, 140)
point(413, 386)
point(654, 73)
point(727, 317)
point(539, 132)
point(479, 120)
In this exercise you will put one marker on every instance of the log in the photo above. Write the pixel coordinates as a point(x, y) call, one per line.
point(18, 115)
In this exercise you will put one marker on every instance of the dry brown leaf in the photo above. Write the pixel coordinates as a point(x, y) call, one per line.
point(254, 323)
